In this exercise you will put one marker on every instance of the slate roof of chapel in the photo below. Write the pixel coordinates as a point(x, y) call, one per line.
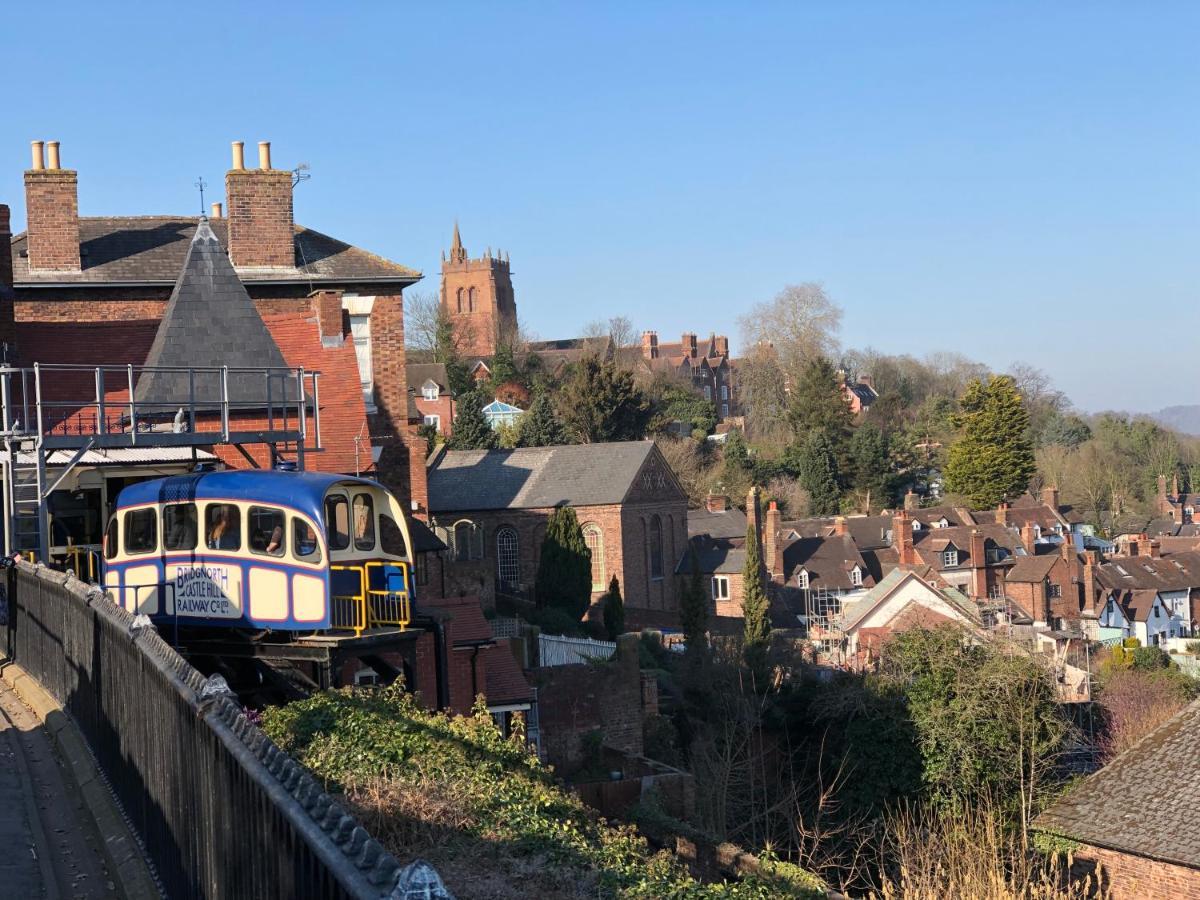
point(1141, 802)
point(536, 477)
point(123, 249)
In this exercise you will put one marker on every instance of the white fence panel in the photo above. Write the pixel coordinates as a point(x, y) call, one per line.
point(564, 651)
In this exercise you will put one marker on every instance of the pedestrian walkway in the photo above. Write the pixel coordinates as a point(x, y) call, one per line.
point(49, 848)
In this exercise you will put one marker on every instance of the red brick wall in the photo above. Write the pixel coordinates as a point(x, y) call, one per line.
point(52, 210)
point(495, 308)
point(442, 407)
point(1137, 878)
point(259, 210)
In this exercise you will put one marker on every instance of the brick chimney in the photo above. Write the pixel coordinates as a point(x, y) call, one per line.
point(8, 328)
point(1050, 497)
point(839, 526)
point(911, 500)
point(1164, 505)
point(650, 344)
point(868, 380)
point(689, 344)
point(722, 345)
point(1068, 549)
point(771, 555)
point(1002, 513)
point(902, 538)
point(1089, 582)
point(259, 204)
point(327, 307)
point(1152, 549)
point(1029, 538)
point(52, 211)
point(978, 551)
point(716, 503)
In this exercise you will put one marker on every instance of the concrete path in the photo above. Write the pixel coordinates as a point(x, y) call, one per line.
point(49, 848)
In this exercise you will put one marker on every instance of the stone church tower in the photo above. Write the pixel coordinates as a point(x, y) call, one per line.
point(478, 296)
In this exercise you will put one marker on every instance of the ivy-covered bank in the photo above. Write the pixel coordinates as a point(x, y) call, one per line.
point(484, 811)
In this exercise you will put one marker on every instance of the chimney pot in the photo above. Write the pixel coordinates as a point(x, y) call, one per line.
point(39, 155)
point(239, 155)
point(216, 211)
point(52, 155)
point(264, 155)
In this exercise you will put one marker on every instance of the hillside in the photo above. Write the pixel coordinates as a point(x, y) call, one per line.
point(489, 816)
point(1182, 418)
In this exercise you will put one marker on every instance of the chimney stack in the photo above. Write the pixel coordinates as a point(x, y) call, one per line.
point(650, 344)
point(911, 500)
point(839, 526)
point(1029, 538)
point(1002, 513)
point(52, 211)
point(722, 345)
point(1089, 582)
point(1068, 548)
point(1050, 497)
point(689, 344)
point(259, 205)
point(6, 271)
point(771, 555)
point(902, 538)
point(216, 211)
point(327, 306)
point(1153, 548)
point(716, 503)
point(978, 551)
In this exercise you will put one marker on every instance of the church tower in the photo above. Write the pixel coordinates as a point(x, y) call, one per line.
point(477, 294)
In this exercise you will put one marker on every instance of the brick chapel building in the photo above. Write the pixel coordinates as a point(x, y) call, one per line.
point(93, 290)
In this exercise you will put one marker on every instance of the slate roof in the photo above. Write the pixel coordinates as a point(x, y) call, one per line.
point(1032, 569)
point(151, 249)
point(930, 543)
point(538, 477)
point(717, 556)
point(828, 561)
point(419, 373)
point(1176, 572)
point(210, 320)
point(727, 523)
point(423, 538)
point(1144, 801)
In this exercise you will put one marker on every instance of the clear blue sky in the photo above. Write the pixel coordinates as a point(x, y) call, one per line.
point(1010, 181)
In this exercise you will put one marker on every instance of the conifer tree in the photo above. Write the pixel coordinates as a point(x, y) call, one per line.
point(564, 575)
point(992, 459)
point(693, 606)
point(755, 610)
point(818, 404)
point(817, 472)
point(539, 427)
point(869, 460)
point(599, 402)
point(472, 431)
point(614, 610)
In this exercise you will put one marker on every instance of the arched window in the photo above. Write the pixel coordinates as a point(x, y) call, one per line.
point(459, 297)
point(508, 558)
point(471, 300)
point(594, 538)
point(656, 547)
point(468, 541)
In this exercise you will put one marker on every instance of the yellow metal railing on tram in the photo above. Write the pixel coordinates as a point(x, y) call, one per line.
point(81, 560)
point(368, 607)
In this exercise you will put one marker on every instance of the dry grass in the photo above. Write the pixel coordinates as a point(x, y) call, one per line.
point(939, 854)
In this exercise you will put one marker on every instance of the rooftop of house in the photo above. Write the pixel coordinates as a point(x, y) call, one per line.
point(1032, 569)
point(419, 374)
point(717, 556)
point(721, 523)
point(1175, 572)
point(931, 544)
point(1137, 802)
point(151, 250)
point(855, 611)
point(829, 562)
point(506, 683)
point(543, 477)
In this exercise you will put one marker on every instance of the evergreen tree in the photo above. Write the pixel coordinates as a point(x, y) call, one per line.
point(614, 610)
point(869, 460)
point(693, 606)
point(755, 611)
point(564, 575)
point(539, 426)
point(445, 351)
point(599, 402)
point(503, 366)
point(818, 404)
point(815, 466)
point(472, 431)
point(993, 456)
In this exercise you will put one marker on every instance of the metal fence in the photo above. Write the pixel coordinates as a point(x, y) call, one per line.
point(220, 810)
point(565, 651)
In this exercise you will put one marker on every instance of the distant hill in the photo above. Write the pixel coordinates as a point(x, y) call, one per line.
point(1181, 418)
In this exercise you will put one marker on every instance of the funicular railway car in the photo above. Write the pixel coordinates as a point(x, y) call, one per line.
point(264, 550)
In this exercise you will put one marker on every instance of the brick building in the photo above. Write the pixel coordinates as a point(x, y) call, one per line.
point(430, 391)
point(1130, 819)
point(93, 290)
point(707, 365)
point(477, 294)
point(490, 507)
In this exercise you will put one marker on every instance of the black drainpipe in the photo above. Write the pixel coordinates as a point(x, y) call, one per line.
point(439, 663)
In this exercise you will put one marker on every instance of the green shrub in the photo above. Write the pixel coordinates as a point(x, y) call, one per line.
point(553, 620)
point(1192, 647)
point(1150, 658)
point(660, 739)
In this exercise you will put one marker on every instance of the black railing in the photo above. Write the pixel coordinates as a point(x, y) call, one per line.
point(220, 810)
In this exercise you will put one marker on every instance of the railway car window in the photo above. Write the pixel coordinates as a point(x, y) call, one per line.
point(304, 541)
point(179, 526)
point(364, 522)
point(110, 539)
point(223, 527)
point(391, 538)
point(337, 522)
point(266, 531)
point(141, 532)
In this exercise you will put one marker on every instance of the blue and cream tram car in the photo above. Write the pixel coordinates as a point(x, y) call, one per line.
point(284, 551)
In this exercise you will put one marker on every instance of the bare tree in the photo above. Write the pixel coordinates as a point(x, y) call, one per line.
point(422, 314)
point(801, 322)
point(762, 387)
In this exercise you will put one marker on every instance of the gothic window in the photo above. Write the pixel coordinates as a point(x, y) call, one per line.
point(471, 300)
point(594, 538)
point(508, 557)
point(656, 547)
point(467, 541)
point(458, 296)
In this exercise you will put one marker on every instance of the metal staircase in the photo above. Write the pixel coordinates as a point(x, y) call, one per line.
point(47, 408)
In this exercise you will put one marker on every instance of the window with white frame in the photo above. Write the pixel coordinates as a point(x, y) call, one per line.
point(856, 576)
point(724, 409)
point(949, 557)
point(466, 541)
point(594, 538)
point(435, 421)
point(995, 592)
point(360, 333)
point(802, 579)
point(720, 587)
point(508, 558)
point(430, 390)
point(1053, 591)
point(916, 525)
point(943, 522)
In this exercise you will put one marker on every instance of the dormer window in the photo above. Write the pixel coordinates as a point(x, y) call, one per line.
point(949, 558)
point(802, 579)
point(943, 522)
point(916, 525)
point(430, 390)
point(856, 576)
point(1037, 532)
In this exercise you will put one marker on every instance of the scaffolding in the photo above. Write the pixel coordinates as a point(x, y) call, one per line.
point(77, 408)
